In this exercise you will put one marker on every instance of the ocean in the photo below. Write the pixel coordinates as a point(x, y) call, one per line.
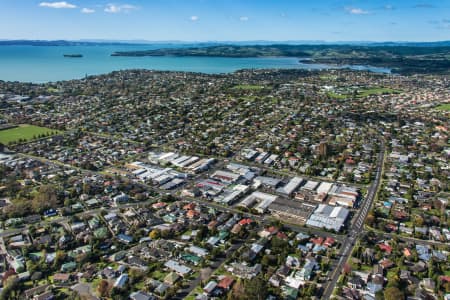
point(41, 64)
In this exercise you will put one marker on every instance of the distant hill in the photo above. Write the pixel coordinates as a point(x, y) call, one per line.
point(54, 43)
point(402, 59)
point(217, 43)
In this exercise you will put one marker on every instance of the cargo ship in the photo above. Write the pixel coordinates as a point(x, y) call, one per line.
point(73, 55)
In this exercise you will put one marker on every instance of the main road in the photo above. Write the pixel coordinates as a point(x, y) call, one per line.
point(357, 225)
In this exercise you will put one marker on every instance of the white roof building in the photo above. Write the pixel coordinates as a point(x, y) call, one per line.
point(324, 187)
point(291, 186)
point(328, 217)
point(263, 200)
point(310, 185)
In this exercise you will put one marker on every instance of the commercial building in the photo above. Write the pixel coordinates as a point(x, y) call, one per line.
point(328, 217)
point(310, 185)
point(262, 200)
point(291, 186)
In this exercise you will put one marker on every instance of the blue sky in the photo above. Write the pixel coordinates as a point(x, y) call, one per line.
point(226, 20)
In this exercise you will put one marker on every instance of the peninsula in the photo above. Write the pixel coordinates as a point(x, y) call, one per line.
point(404, 59)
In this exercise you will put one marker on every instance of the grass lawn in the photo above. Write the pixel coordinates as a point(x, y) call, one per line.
point(140, 285)
point(444, 107)
point(366, 268)
point(250, 87)
point(376, 91)
point(363, 93)
point(158, 275)
point(24, 132)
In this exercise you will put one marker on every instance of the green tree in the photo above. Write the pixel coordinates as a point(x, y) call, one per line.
point(393, 293)
point(45, 198)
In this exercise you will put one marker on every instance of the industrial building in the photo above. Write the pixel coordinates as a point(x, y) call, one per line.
point(262, 200)
point(291, 186)
point(328, 217)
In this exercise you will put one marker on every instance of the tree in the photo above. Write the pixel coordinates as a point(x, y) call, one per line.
point(238, 291)
point(103, 288)
point(154, 234)
point(45, 198)
point(9, 288)
point(393, 293)
point(370, 220)
point(255, 289)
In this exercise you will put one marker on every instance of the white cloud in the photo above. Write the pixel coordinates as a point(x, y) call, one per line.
point(194, 18)
point(114, 8)
point(88, 10)
point(356, 11)
point(62, 4)
point(243, 18)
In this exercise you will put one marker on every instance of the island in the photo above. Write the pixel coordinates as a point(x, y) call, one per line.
point(405, 59)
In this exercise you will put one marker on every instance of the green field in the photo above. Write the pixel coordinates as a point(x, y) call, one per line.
point(444, 107)
point(363, 93)
point(248, 87)
point(24, 132)
point(376, 91)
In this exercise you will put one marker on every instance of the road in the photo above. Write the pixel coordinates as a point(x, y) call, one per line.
point(216, 264)
point(356, 227)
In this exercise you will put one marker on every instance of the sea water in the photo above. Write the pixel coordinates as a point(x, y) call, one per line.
point(47, 63)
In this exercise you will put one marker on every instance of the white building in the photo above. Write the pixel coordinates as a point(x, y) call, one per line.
point(291, 186)
point(328, 217)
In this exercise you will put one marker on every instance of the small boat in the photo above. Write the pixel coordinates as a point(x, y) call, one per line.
point(73, 55)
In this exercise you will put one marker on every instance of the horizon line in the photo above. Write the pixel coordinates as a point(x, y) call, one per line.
point(100, 40)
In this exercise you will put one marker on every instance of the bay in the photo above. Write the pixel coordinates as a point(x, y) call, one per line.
point(40, 64)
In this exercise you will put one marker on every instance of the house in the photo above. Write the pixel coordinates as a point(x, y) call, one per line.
point(69, 267)
point(428, 285)
point(121, 198)
point(385, 248)
point(198, 251)
point(61, 277)
point(405, 275)
point(45, 296)
point(209, 287)
point(378, 270)
point(329, 241)
point(355, 282)
point(406, 252)
point(177, 267)
point(373, 288)
point(244, 271)
point(171, 278)
point(161, 289)
point(307, 270)
point(140, 295)
point(386, 263)
point(121, 281)
point(226, 283)
point(126, 239)
point(50, 213)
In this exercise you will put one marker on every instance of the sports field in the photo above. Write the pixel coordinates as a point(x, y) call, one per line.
point(24, 132)
point(444, 107)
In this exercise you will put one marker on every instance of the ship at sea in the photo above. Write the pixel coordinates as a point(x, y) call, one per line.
point(73, 55)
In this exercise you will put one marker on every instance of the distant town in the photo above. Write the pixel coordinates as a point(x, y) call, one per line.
point(259, 184)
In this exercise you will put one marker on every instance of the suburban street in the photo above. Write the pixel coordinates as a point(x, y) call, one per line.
point(357, 226)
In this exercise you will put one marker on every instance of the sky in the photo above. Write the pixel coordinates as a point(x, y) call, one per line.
point(226, 20)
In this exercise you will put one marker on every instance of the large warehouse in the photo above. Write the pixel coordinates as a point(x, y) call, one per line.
point(328, 217)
